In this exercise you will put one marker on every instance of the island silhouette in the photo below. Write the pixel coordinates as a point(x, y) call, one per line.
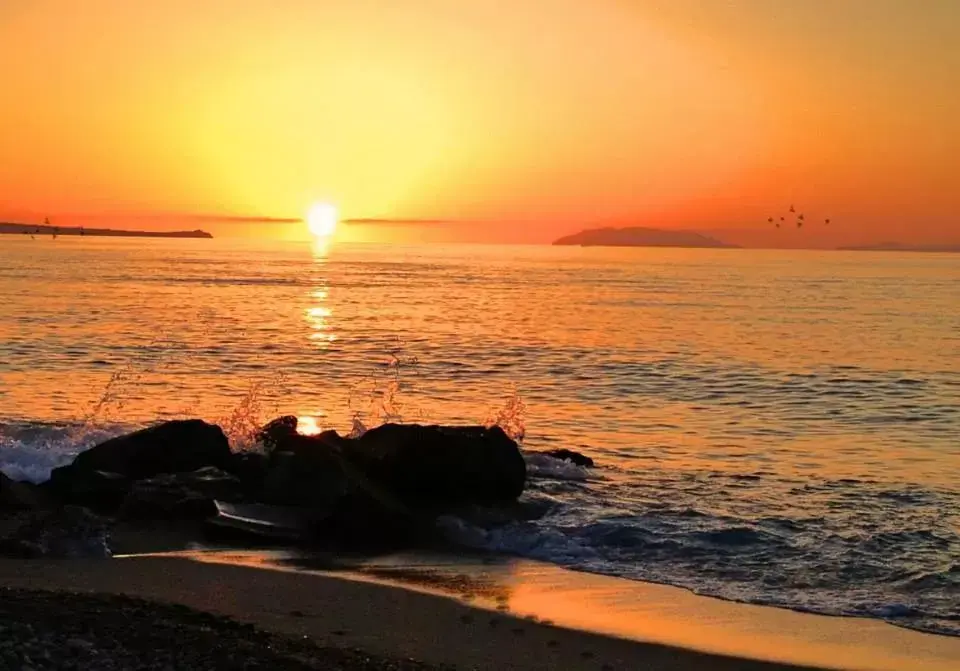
point(637, 236)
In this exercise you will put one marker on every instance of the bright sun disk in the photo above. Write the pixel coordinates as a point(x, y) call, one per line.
point(322, 219)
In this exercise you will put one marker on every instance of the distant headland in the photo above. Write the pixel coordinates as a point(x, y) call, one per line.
point(47, 229)
point(640, 237)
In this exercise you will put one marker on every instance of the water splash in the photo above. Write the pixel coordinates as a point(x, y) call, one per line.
point(242, 425)
point(383, 396)
point(511, 417)
point(357, 427)
point(152, 358)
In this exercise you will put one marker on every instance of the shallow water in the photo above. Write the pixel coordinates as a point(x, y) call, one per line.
point(776, 427)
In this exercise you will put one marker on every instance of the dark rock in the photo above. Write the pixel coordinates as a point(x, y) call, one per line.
point(181, 496)
point(324, 443)
point(20, 495)
point(171, 447)
point(68, 532)
point(438, 467)
point(99, 490)
point(312, 476)
point(346, 505)
point(383, 489)
point(265, 523)
point(251, 469)
point(311, 471)
point(571, 456)
point(276, 431)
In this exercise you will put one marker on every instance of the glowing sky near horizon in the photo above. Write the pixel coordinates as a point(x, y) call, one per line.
point(530, 119)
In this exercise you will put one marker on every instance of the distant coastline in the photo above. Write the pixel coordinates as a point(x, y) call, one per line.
point(641, 237)
point(897, 247)
point(45, 230)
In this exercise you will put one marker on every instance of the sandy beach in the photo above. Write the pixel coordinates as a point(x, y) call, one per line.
point(360, 610)
point(59, 631)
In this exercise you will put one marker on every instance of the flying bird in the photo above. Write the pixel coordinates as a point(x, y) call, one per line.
point(826, 222)
point(791, 209)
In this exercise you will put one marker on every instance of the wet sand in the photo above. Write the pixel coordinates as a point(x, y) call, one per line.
point(582, 622)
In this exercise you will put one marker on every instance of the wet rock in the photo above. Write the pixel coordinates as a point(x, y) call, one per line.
point(571, 456)
point(99, 490)
point(251, 469)
point(181, 496)
point(386, 487)
point(310, 476)
point(265, 523)
point(20, 495)
point(313, 473)
point(439, 467)
point(276, 431)
point(69, 532)
point(178, 446)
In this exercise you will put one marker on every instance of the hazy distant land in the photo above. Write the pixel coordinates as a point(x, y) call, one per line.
point(33, 229)
point(898, 247)
point(640, 237)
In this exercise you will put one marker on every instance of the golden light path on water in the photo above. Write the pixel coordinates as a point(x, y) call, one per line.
point(318, 314)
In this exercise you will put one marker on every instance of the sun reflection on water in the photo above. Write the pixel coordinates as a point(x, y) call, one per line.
point(318, 313)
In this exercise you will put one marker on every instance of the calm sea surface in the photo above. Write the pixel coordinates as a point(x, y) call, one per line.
point(775, 427)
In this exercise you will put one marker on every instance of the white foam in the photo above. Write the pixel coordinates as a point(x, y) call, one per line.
point(544, 466)
point(458, 531)
point(30, 452)
point(34, 463)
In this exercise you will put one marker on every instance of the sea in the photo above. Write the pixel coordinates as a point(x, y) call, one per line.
point(773, 427)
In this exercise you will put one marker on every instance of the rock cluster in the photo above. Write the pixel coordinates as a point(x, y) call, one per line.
point(385, 487)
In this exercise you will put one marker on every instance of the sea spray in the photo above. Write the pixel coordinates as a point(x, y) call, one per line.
point(243, 423)
point(512, 417)
point(382, 396)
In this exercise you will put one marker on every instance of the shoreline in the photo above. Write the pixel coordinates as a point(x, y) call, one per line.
point(626, 609)
point(164, 487)
point(364, 616)
point(501, 614)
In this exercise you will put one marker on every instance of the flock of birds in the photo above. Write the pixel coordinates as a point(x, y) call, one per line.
point(799, 219)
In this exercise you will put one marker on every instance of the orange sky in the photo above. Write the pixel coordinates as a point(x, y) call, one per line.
point(526, 119)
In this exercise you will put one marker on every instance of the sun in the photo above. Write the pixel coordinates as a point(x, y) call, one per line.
point(322, 219)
